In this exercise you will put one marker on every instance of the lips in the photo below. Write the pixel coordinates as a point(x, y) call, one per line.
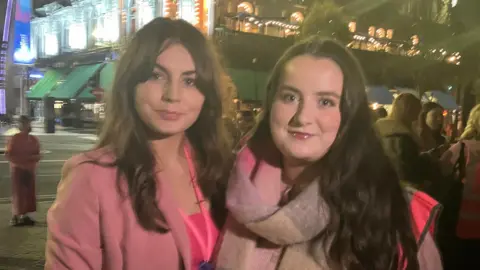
point(169, 115)
point(300, 135)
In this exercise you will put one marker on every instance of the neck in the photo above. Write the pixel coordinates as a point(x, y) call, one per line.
point(168, 150)
point(292, 169)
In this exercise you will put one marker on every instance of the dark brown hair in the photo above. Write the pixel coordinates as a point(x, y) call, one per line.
point(124, 133)
point(370, 216)
point(426, 108)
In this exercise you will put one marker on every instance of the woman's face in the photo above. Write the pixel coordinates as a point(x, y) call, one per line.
point(169, 102)
point(305, 115)
point(434, 119)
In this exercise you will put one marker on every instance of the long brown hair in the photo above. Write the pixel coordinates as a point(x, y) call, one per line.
point(124, 133)
point(370, 216)
point(402, 108)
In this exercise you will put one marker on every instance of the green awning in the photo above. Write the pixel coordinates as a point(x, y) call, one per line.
point(261, 79)
point(107, 75)
point(75, 81)
point(250, 84)
point(46, 84)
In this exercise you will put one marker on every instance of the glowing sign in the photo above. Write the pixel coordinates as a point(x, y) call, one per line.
point(21, 38)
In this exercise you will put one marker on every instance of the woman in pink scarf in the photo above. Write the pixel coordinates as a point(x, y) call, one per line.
point(313, 188)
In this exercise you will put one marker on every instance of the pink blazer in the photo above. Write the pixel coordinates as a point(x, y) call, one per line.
point(91, 226)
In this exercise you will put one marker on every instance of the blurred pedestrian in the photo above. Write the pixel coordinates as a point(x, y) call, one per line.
point(23, 152)
point(381, 113)
point(402, 143)
point(431, 121)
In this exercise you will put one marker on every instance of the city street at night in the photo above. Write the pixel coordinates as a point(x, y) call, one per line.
point(363, 116)
point(23, 247)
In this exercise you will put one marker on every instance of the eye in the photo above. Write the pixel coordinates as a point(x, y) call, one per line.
point(326, 102)
point(288, 97)
point(189, 82)
point(157, 76)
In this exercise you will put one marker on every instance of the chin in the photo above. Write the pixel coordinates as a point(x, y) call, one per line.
point(167, 131)
point(305, 156)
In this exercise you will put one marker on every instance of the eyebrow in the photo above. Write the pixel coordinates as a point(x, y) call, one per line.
point(164, 69)
point(318, 93)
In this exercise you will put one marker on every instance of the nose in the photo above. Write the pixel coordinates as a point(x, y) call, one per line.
point(303, 114)
point(171, 92)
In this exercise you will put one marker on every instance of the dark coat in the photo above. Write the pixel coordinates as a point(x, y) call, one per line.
point(403, 149)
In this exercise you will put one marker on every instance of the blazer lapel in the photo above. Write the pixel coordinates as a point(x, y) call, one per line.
point(168, 206)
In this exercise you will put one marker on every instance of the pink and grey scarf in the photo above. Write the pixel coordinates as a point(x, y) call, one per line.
point(253, 201)
point(260, 234)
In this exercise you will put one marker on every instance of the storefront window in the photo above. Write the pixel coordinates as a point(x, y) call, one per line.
point(77, 36)
point(35, 38)
point(108, 28)
point(187, 11)
point(145, 13)
point(107, 24)
point(51, 44)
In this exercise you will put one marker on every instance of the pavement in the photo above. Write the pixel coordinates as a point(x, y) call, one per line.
point(23, 248)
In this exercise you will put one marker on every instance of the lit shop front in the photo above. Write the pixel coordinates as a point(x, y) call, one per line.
point(200, 13)
point(91, 24)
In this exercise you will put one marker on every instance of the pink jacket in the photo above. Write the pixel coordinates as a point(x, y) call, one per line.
point(91, 226)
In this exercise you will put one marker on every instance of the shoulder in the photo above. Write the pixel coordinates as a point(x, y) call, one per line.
point(100, 155)
point(89, 166)
point(14, 138)
point(85, 185)
point(424, 211)
point(245, 159)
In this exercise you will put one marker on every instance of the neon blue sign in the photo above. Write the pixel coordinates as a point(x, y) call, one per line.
point(21, 39)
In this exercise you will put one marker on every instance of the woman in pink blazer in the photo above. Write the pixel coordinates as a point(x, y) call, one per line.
point(150, 195)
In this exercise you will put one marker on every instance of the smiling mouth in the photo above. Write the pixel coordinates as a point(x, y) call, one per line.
point(169, 115)
point(300, 135)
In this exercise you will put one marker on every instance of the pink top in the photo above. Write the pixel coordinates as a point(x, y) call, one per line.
point(201, 229)
point(195, 248)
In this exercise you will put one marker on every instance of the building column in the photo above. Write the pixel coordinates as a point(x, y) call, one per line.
point(49, 114)
point(77, 111)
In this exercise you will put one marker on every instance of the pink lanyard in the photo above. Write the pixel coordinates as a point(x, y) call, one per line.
point(206, 248)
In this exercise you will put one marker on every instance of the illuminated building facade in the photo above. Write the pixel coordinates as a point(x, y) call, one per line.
point(394, 27)
point(282, 19)
point(89, 24)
